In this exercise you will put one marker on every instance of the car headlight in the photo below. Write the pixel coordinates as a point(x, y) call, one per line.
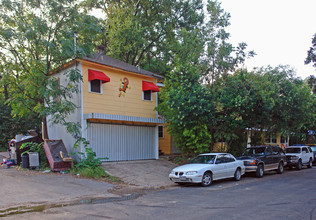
point(172, 172)
point(249, 162)
point(191, 172)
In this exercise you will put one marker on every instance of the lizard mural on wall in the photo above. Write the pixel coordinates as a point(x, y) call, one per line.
point(124, 86)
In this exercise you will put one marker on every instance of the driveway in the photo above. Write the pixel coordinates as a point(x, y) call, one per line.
point(28, 188)
point(151, 174)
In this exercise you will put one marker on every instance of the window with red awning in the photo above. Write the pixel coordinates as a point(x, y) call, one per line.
point(94, 74)
point(150, 86)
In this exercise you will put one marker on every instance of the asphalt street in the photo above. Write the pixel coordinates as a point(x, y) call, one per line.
point(291, 195)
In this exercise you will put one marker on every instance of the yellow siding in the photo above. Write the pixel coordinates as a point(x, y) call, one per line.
point(165, 143)
point(109, 102)
point(278, 143)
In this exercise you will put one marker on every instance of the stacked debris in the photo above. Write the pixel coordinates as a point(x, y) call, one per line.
point(57, 155)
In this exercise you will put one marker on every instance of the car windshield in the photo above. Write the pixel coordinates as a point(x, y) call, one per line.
point(293, 150)
point(254, 151)
point(204, 159)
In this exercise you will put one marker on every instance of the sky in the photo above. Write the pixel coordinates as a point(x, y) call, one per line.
point(279, 31)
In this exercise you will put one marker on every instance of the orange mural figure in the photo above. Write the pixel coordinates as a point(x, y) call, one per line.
point(124, 86)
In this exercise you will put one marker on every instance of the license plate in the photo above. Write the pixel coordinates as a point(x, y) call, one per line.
point(183, 178)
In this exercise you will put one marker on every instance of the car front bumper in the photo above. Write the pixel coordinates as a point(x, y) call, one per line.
point(186, 179)
point(249, 169)
point(292, 163)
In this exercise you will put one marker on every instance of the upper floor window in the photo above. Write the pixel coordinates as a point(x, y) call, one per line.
point(95, 86)
point(147, 95)
point(148, 89)
point(96, 79)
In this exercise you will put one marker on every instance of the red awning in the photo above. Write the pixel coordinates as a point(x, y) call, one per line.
point(150, 86)
point(94, 74)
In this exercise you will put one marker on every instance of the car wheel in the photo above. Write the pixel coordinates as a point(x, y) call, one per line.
point(280, 168)
point(207, 179)
point(237, 175)
point(299, 165)
point(259, 172)
point(310, 163)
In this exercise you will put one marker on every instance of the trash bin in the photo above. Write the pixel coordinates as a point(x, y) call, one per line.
point(25, 161)
point(33, 160)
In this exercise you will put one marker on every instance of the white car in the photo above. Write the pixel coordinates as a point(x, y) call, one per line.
point(205, 168)
point(298, 156)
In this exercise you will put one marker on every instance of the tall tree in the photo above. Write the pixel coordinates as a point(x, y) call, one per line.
point(143, 32)
point(311, 53)
point(36, 37)
point(270, 99)
point(213, 59)
point(221, 57)
point(186, 103)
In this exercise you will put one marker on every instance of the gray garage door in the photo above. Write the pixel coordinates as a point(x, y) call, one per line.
point(122, 142)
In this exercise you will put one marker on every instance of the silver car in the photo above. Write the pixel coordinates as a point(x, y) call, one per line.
point(205, 168)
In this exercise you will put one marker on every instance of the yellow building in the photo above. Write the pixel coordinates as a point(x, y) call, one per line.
point(275, 139)
point(166, 146)
point(115, 109)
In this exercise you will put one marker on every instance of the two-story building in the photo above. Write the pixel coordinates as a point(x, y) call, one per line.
point(115, 109)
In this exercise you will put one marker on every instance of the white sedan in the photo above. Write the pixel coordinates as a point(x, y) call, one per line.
point(208, 167)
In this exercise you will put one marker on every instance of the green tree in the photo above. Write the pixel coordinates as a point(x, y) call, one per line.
point(144, 32)
point(311, 82)
point(9, 125)
point(221, 57)
point(201, 56)
point(311, 53)
point(186, 103)
point(36, 37)
point(270, 99)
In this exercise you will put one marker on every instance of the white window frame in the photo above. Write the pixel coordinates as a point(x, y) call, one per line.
point(101, 88)
point(151, 96)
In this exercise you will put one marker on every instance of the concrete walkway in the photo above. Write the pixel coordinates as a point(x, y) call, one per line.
point(30, 188)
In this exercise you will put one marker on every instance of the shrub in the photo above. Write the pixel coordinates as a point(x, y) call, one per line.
point(89, 166)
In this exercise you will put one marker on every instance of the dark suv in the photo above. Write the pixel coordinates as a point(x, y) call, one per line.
point(264, 158)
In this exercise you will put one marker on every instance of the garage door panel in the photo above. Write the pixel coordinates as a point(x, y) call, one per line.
point(122, 142)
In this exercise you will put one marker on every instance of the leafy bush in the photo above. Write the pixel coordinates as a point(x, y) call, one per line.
point(89, 166)
point(10, 125)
